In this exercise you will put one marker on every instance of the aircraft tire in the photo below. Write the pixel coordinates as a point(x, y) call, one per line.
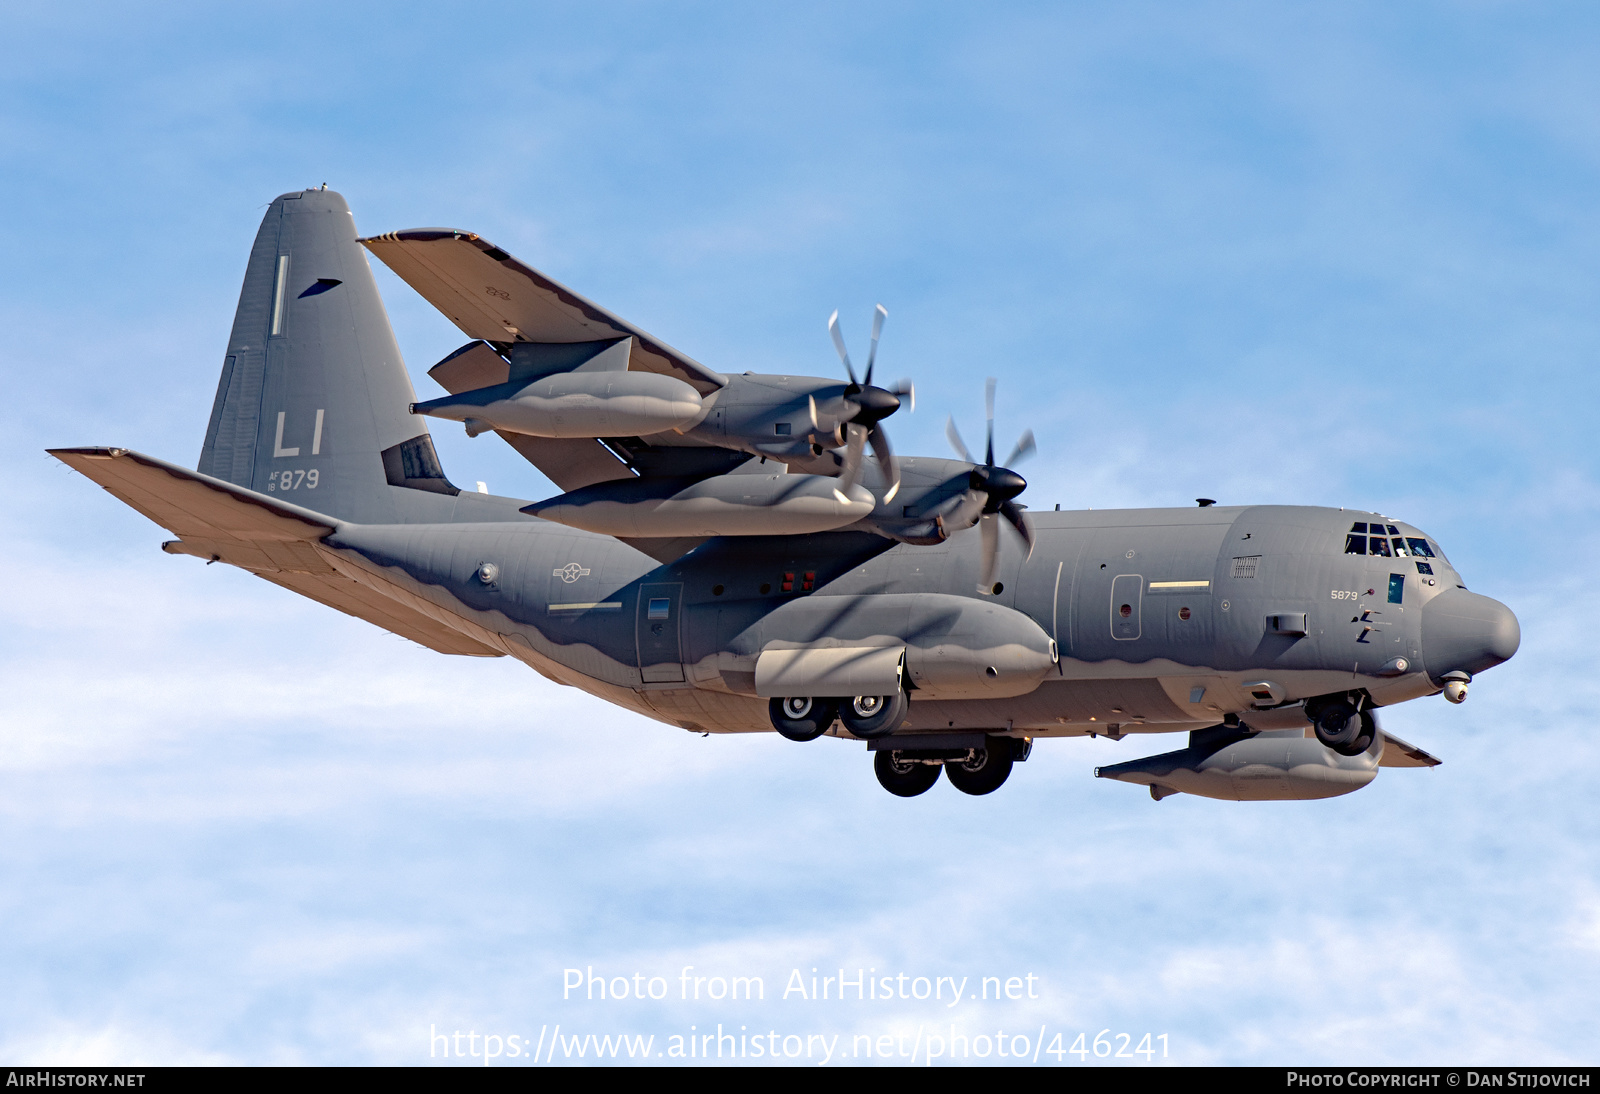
point(799, 718)
point(869, 716)
point(1338, 726)
point(1364, 738)
point(903, 778)
point(985, 773)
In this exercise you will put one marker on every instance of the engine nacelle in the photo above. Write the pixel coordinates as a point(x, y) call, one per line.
point(1235, 766)
point(574, 404)
point(726, 505)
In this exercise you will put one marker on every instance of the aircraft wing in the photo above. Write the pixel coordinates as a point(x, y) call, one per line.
point(493, 297)
point(272, 539)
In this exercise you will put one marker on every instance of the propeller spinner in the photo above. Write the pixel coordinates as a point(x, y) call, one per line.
point(1000, 486)
point(864, 407)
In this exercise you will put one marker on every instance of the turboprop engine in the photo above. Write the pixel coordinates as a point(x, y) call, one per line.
point(1236, 765)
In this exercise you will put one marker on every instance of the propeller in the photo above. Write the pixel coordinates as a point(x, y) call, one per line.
point(863, 408)
point(1000, 487)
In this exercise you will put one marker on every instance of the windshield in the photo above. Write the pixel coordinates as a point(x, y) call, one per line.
point(1386, 540)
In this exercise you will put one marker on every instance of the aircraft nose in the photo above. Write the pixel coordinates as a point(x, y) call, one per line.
point(1467, 632)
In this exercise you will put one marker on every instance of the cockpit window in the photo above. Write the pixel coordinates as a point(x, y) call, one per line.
point(1385, 541)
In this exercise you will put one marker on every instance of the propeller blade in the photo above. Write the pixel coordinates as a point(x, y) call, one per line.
point(990, 527)
point(988, 403)
point(811, 401)
point(838, 344)
point(1018, 517)
point(908, 391)
point(1025, 448)
point(891, 471)
point(955, 440)
point(878, 317)
point(856, 439)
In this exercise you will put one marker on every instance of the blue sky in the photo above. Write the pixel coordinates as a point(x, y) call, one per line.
point(1272, 253)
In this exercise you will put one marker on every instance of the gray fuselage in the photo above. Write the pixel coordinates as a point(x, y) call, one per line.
point(1165, 619)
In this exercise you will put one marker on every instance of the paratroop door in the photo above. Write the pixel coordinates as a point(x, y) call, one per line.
point(659, 624)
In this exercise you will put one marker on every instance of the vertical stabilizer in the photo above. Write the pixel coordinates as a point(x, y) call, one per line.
point(313, 404)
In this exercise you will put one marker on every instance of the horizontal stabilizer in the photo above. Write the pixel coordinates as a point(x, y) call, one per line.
point(274, 540)
point(492, 296)
point(191, 504)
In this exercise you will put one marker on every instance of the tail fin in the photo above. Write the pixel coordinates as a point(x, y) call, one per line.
point(313, 405)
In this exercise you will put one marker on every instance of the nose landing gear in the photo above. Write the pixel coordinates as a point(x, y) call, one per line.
point(1343, 728)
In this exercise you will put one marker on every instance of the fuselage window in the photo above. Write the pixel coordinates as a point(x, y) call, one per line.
point(1379, 546)
point(1424, 568)
point(1420, 547)
point(1397, 588)
point(1355, 545)
point(1400, 547)
point(1358, 526)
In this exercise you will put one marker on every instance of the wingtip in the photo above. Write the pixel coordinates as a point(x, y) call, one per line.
point(90, 452)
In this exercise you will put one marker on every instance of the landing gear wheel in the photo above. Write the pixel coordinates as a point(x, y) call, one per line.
point(901, 777)
point(869, 716)
point(1364, 739)
point(1338, 726)
point(984, 771)
point(802, 719)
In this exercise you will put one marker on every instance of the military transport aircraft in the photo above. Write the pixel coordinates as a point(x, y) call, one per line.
point(736, 553)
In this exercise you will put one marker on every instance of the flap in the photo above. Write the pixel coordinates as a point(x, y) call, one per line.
point(492, 296)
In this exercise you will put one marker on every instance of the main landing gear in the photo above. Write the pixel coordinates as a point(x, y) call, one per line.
point(977, 765)
point(907, 772)
point(801, 718)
